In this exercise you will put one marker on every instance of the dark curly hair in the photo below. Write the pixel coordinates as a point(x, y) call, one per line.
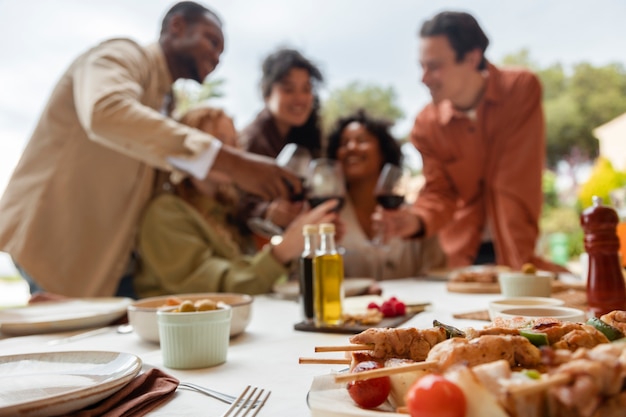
point(388, 145)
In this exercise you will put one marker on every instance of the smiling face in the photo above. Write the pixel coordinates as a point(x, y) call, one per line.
point(446, 78)
point(359, 153)
point(291, 99)
point(195, 47)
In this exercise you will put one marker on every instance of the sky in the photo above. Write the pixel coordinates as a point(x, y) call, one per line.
point(370, 41)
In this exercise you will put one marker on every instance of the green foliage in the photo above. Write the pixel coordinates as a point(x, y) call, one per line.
point(188, 94)
point(550, 194)
point(576, 103)
point(602, 181)
point(378, 101)
point(563, 220)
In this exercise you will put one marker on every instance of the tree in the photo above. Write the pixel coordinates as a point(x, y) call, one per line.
point(189, 93)
point(576, 104)
point(378, 101)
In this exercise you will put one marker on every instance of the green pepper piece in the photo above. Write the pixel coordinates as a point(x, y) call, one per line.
point(611, 333)
point(532, 373)
point(536, 338)
point(451, 331)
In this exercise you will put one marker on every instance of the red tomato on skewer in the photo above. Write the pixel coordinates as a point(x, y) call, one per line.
point(369, 393)
point(435, 396)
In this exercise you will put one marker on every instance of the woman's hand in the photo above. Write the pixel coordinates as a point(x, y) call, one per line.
point(398, 223)
point(293, 242)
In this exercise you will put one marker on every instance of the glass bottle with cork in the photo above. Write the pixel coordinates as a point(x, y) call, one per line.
point(328, 283)
point(605, 281)
point(310, 233)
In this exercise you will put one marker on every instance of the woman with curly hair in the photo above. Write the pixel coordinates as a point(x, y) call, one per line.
point(363, 145)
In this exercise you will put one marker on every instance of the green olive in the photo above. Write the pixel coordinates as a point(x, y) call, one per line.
point(186, 307)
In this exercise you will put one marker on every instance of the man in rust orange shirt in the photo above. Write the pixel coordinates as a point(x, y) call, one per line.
point(482, 140)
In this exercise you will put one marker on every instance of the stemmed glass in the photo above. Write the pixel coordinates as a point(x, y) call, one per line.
point(325, 181)
point(389, 191)
point(295, 158)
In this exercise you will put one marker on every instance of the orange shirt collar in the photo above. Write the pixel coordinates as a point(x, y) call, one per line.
point(492, 94)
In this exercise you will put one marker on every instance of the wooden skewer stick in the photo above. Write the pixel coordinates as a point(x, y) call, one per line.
point(328, 361)
point(377, 373)
point(345, 348)
point(539, 386)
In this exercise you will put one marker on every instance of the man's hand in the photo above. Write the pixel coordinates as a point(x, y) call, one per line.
point(398, 223)
point(256, 174)
point(282, 212)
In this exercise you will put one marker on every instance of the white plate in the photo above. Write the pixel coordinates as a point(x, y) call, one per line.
point(351, 287)
point(329, 399)
point(57, 383)
point(56, 316)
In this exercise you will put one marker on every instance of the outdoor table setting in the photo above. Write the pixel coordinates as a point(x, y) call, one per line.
point(265, 355)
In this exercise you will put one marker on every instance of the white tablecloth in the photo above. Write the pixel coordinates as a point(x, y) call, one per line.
point(266, 355)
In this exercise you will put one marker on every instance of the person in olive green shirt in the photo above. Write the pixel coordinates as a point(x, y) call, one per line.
point(189, 243)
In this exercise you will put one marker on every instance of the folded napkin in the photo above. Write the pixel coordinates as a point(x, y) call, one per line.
point(143, 394)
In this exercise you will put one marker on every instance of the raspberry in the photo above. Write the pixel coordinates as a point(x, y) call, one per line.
point(387, 309)
point(373, 305)
point(399, 308)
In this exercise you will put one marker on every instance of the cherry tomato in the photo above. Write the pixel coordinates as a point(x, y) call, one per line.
point(369, 393)
point(434, 396)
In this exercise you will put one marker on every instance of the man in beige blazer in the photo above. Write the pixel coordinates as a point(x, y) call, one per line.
point(70, 212)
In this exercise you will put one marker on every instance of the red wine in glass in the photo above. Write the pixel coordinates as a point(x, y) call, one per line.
point(390, 201)
point(293, 197)
point(316, 201)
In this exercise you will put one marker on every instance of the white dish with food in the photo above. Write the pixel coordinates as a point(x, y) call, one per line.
point(330, 399)
point(58, 383)
point(536, 312)
point(495, 307)
point(142, 314)
point(62, 315)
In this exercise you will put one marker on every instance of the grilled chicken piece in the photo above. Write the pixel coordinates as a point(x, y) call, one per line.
point(612, 407)
point(596, 374)
point(516, 350)
point(402, 343)
point(562, 335)
point(472, 333)
point(617, 319)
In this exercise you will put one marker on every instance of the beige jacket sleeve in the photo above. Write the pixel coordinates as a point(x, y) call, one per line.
point(118, 88)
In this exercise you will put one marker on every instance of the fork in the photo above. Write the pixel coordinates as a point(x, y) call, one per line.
point(225, 398)
point(247, 401)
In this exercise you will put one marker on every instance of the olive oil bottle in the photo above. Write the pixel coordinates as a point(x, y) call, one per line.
point(328, 283)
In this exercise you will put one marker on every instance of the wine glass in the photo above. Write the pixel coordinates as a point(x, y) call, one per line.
point(389, 192)
point(325, 181)
point(296, 159)
point(391, 187)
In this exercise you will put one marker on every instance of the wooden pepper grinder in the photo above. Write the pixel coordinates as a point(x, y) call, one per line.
point(605, 283)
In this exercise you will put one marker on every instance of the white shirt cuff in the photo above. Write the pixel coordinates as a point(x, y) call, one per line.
point(201, 164)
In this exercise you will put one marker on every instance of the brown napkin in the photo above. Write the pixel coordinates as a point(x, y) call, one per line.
point(143, 394)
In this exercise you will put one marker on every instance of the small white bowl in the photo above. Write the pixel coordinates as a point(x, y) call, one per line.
point(519, 284)
point(142, 314)
point(495, 307)
point(196, 339)
point(554, 312)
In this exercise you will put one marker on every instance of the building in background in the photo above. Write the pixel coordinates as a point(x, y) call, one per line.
point(612, 139)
